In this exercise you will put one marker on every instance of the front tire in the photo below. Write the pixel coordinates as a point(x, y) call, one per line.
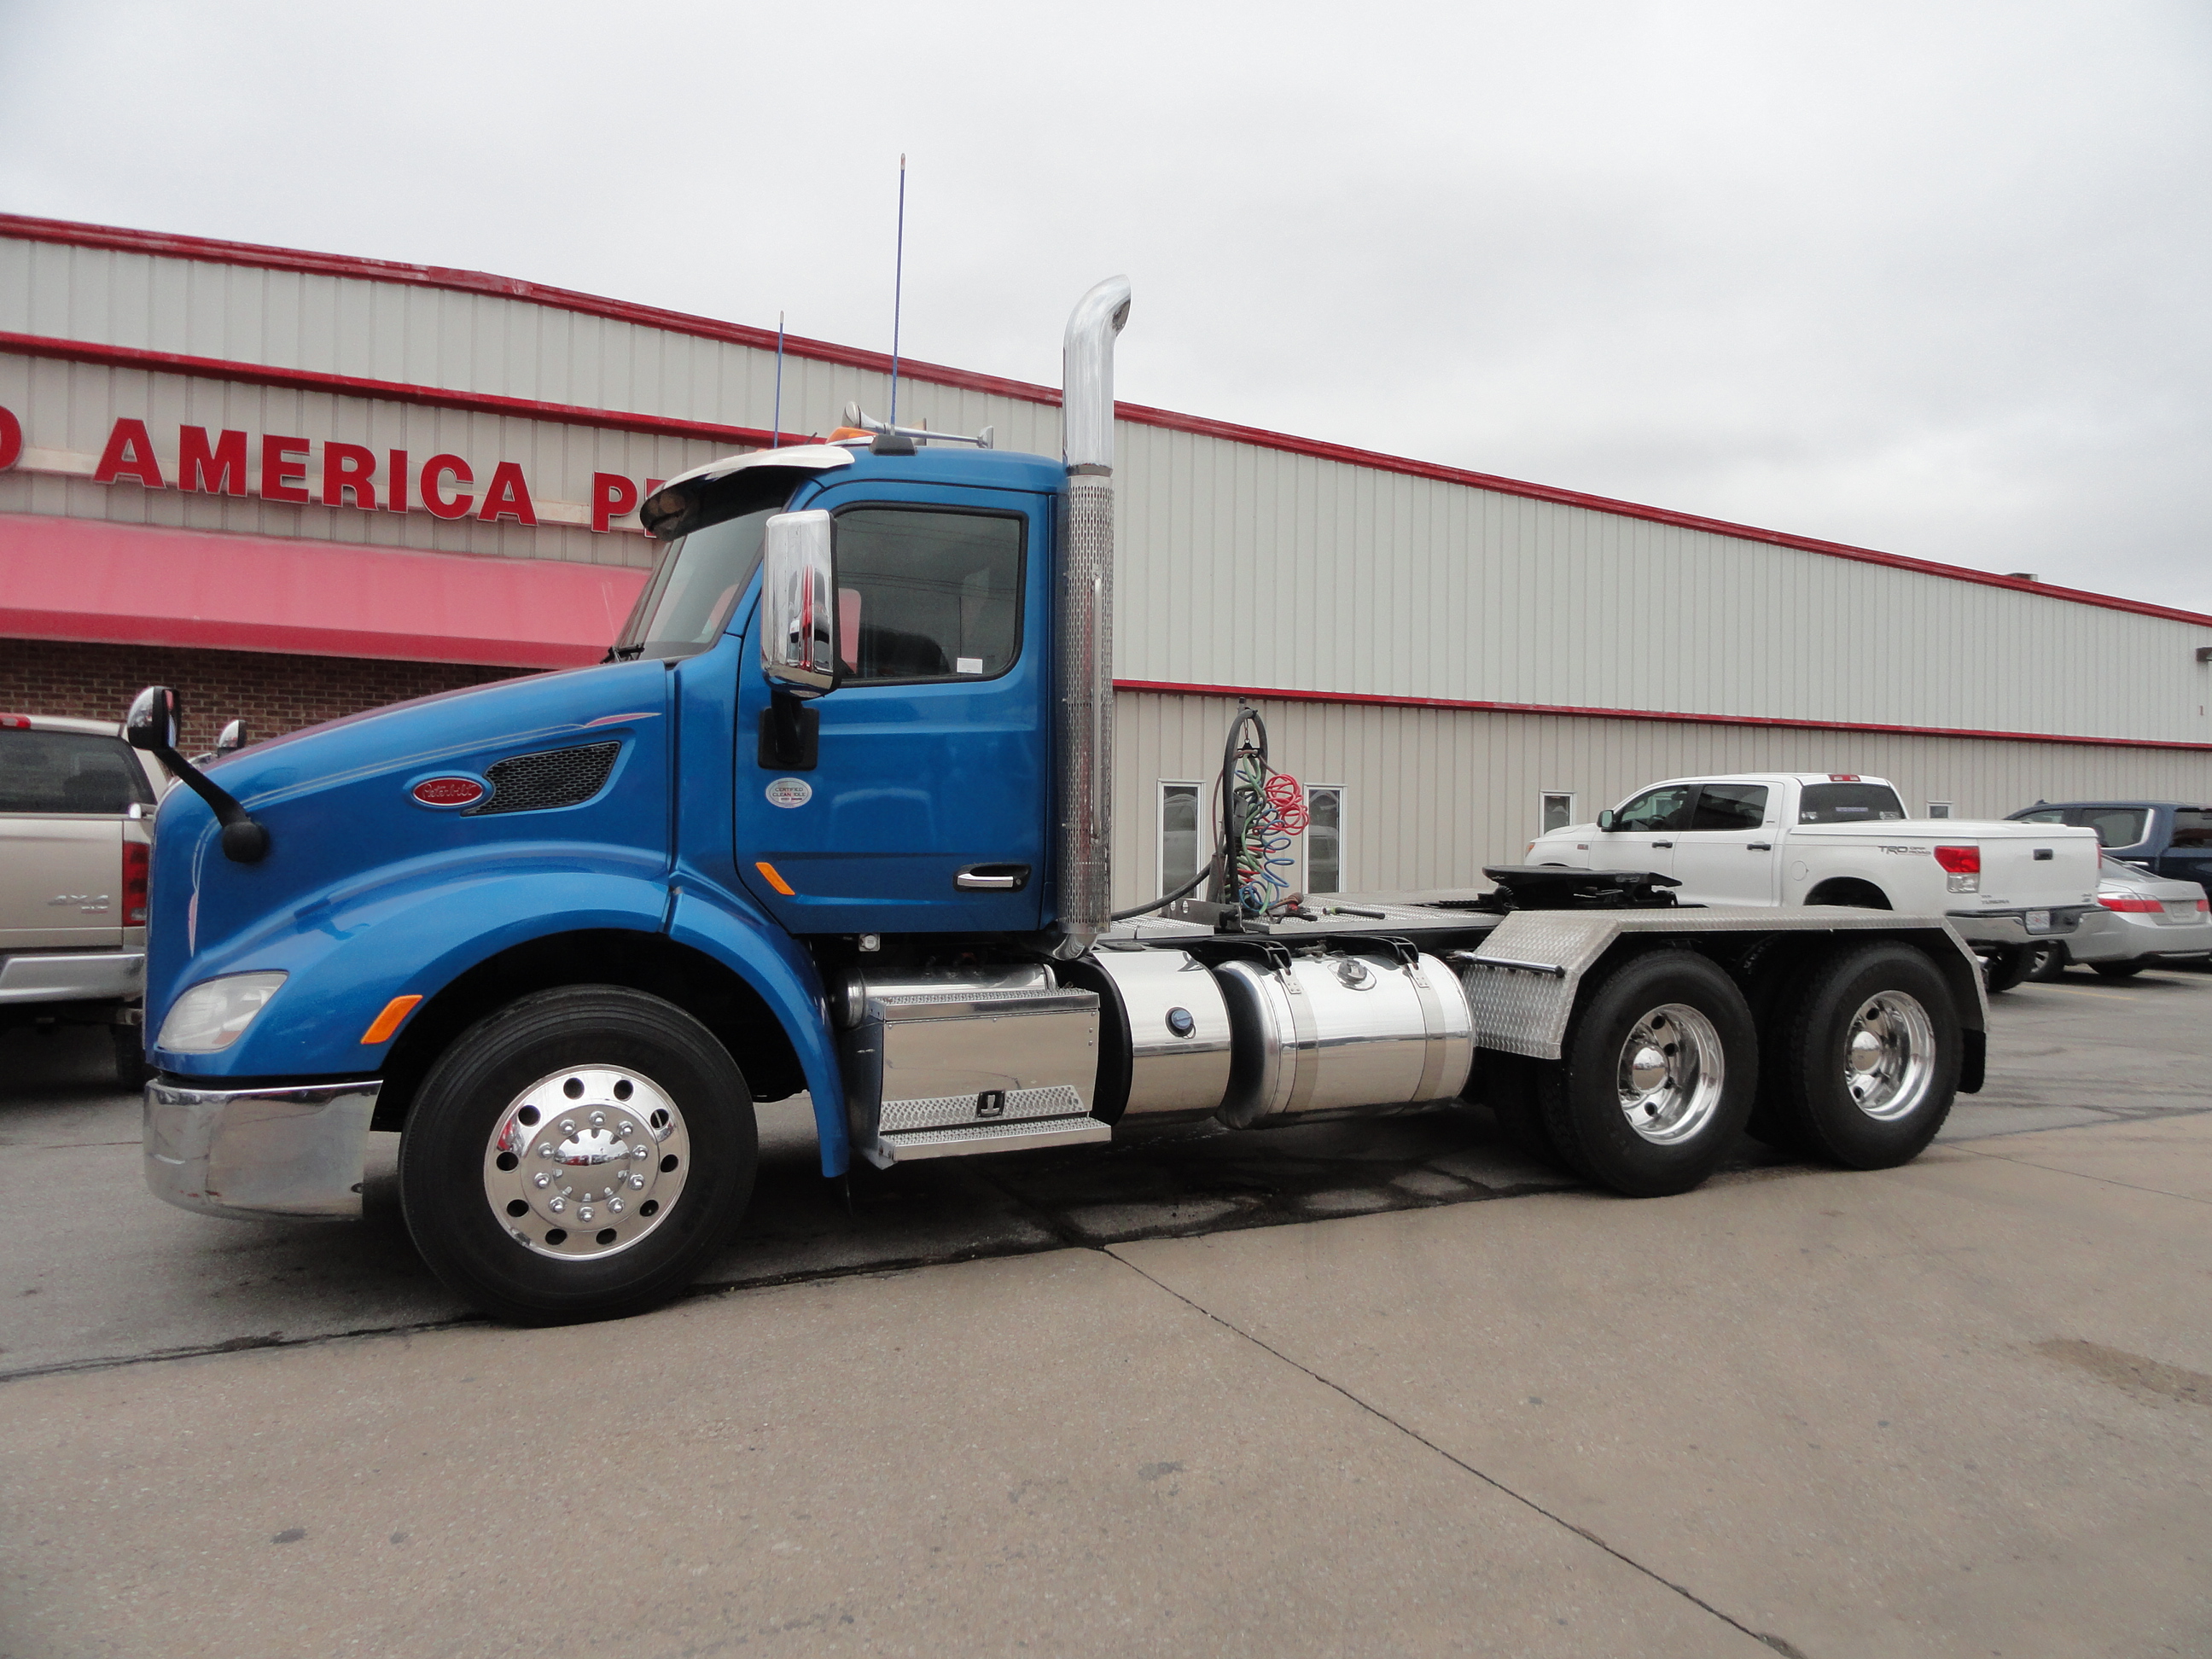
point(1657, 1079)
point(577, 1155)
point(1869, 1058)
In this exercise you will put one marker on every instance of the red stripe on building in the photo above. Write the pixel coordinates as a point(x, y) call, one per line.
point(120, 239)
point(1455, 705)
point(88, 580)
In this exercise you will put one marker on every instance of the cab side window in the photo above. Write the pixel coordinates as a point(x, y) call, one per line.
point(927, 595)
point(1730, 806)
point(1667, 807)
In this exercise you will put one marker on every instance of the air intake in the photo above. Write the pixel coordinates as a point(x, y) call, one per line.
point(551, 778)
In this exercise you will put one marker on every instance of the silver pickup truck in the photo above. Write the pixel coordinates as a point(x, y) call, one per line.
point(76, 804)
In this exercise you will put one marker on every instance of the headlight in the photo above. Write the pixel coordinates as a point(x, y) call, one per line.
point(215, 1013)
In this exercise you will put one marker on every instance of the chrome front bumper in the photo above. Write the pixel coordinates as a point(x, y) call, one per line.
point(251, 1153)
point(2010, 926)
point(53, 976)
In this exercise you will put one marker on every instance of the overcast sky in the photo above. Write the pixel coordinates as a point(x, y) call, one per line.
point(1929, 277)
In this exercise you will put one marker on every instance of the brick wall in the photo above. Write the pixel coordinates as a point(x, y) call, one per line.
point(276, 694)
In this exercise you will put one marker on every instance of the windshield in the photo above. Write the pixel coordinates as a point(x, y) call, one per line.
point(1848, 803)
point(694, 586)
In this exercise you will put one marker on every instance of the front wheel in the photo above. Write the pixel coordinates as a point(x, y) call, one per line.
point(1657, 1079)
point(577, 1155)
point(1869, 1058)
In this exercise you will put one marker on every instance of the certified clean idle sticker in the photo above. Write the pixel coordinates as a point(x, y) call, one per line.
point(790, 791)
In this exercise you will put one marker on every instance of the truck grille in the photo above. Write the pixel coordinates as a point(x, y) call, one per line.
point(551, 778)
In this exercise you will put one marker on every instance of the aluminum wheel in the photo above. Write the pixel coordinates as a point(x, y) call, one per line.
point(1671, 1074)
point(1889, 1056)
point(586, 1162)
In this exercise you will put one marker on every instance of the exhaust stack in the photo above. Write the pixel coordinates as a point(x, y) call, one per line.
point(1085, 642)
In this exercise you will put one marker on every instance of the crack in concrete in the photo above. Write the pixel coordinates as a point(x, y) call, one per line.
point(2083, 1175)
point(1777, 1643)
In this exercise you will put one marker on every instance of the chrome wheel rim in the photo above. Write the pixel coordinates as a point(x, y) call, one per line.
point(1889, 1055)
point(1671, 1072)
point(586, 1163)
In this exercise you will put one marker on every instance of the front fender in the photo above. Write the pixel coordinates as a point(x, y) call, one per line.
point(771, 962)
point(346, 959)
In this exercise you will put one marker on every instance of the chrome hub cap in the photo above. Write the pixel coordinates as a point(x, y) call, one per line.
point(1671, 1074)
point(1889, 1056)
point(586, 1162)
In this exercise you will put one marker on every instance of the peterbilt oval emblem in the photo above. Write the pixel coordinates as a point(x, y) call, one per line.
point(448, 791)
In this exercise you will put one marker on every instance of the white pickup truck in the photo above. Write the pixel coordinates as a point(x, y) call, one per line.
point(1792, 838)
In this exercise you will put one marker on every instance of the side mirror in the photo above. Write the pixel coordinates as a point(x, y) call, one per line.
point(798, 603)
point(233, 737)
point(1605, 819)
point(152, 722)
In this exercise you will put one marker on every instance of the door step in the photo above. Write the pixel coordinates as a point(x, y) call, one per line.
point(967, 1138)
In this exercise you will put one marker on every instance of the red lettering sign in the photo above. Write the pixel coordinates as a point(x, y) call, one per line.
point(448, 791)
point(348, 466)
point(508, 497)
point(218, 471)
point(434, 486)
point(398, 479)
point(129, 454)
point(11, 438)
point(612, 495)
point(284, 469)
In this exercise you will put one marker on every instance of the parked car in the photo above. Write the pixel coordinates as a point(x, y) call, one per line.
point(2149, 921)
point(1814, 838)
point(2164, 837)
point(76, 810)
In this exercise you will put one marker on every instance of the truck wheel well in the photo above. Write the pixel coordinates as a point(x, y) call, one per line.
point(1844, 889)
point(651, 963)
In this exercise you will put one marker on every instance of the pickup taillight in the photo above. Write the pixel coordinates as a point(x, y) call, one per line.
point(1963, 868)
point(134, 882)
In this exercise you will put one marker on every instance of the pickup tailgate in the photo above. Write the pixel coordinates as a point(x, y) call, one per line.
point(2057, 866)
point(61, 883)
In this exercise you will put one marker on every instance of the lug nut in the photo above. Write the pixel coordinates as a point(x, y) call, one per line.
point(624, 1128)
point(637, 1183)
point(584, 1214)
point(640, 1151)
point(598, 1119)
point(546, 1149)
point(614, 1207)
point(567, 1126)
point(542, 1182)
point(557, 1205)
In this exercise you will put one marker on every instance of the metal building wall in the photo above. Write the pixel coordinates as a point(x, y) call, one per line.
point(1432, 795)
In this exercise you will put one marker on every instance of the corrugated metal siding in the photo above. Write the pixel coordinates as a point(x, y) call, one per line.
point(1240, 564)
point(1432, 795)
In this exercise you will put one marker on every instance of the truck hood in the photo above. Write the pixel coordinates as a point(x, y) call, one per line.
point(337, 801)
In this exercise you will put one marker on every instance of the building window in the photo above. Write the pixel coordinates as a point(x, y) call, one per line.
point(1556, 810)
point(1324, 839)
point(1179, 848)
point(1938, 809)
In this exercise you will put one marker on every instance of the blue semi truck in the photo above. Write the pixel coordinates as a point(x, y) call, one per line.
point(831, 818)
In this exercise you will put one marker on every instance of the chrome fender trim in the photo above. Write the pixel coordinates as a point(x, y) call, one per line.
point(253, 1153)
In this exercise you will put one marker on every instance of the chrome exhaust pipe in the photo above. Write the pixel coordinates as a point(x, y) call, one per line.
point(1085, 641)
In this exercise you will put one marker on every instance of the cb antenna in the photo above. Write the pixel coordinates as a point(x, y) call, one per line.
point(898, 286)
point(776, 434)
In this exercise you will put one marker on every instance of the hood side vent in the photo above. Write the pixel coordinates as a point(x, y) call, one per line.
point(551, 778)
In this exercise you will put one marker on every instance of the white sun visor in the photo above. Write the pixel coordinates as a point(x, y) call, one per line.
point(669, 503)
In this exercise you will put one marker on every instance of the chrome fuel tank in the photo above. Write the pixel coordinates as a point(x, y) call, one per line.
point(1168, 1051)
point(1333, 1032)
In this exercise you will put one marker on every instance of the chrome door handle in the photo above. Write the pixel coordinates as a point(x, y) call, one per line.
point(993, 878)
point(1758, 846)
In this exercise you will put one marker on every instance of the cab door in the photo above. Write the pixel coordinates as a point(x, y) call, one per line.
point(1645, 830)
point(1727, 855)
point(925, 808)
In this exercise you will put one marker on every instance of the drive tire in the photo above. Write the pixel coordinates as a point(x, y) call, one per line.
point(1688, 1014)
point(2007, 968)
point(473, 1089)
point(1513, 1088)
point(1813, 1081)
point(2118, 970)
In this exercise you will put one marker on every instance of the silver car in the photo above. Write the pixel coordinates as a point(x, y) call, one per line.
point(2145, 921)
